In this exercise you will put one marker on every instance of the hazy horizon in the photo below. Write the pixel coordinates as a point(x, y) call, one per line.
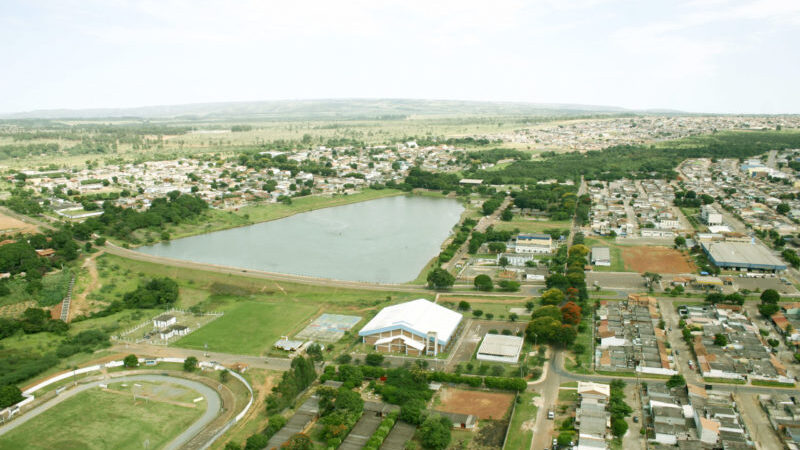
point(696, 56)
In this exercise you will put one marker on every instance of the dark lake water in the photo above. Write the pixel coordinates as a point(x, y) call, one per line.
point(388, 240)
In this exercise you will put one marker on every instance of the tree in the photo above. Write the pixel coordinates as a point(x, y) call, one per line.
point(439, 278)
point(503, 261)
point(223, 376)
point(131, 361)
point(571, 313)
point(374, 359)
point(483, 283)
point(413, 411)
point(190, 364)
point(298, 442)
point(435, 432)
point(768, 309)
point(783, 208)
point(315, 351)
point(618, 426)
point(565, 335)
point(9, 395)
point(551, 311)
point(497, 247)
point(256, 442)
point(715, 297)
point(676, 381)
point(477, 312)
point(770, 296)
point(529, 305)
point(508, 285)
point(513, 317)
point(680, 241)
point(489, 316)
point(463, 306)
point(552, 297)
point(651, 278)
point(720, 340)
point(579, 349)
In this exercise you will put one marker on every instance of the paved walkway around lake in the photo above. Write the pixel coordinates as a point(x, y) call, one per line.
point(213, 399)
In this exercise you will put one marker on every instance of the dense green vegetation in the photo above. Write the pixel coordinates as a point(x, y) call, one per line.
point(640, 161)
point(293, 382)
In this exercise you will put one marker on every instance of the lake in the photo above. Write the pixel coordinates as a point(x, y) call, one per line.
point(388, 240)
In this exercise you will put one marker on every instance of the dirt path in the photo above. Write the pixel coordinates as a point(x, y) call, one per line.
point(79, 304)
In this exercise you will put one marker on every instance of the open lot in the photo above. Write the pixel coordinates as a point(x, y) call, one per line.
point(249, 328)
point(10, 225)
point(483, 405)
point(656, 259)
point(98, 420)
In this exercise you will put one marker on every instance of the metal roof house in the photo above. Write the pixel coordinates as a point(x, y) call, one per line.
point(741, 255)
point(418, 327)
point(500, 348)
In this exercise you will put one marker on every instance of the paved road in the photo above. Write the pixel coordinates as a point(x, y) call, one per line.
point(757, 422)
point(547, 387)
point(131, 254)
point(481, 227)
point(212, 410)
point(226, 359)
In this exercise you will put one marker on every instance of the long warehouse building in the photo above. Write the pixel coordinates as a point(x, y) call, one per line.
point(742, 256)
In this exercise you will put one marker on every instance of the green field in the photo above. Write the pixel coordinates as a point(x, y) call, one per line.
point(98, 420)
point(617, 264)
point(525, 410)
point(250, 328)
point(532, 226)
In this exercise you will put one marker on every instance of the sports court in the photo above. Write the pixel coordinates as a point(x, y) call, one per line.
point(328, 327)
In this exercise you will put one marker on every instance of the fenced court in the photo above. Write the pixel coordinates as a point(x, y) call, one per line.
point(328, 328)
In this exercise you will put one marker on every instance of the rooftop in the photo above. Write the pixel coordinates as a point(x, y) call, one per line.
point(417, 316)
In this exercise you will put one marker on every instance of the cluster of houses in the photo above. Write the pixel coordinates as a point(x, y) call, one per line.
point(728, 345)
point(230, 185)
point(783, 411)
point(752, 189)
point(787, 320)
point(693, 418)
point(591, 417)
point(596, 134)
point(629, 339)
point(627, 207)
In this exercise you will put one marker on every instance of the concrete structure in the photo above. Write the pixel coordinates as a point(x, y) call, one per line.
point(710, 215)
point(601, 256)
point(595, 391)
point(742, 256)
point(500, 348)
point(534, 243)
point(290, 346)
point(164, 321)
point(418, 327)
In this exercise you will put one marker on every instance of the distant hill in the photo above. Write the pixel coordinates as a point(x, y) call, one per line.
point(321, 109)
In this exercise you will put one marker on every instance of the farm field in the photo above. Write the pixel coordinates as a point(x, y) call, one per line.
point(10, 225)
point(97, 420)
point(483, 405)
point(656, 259)
point(250, 328)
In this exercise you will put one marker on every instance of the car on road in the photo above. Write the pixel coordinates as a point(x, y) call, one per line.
point(551, 415)
point(677, 352)
point(635, 419)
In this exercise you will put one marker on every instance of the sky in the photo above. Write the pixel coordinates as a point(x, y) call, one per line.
point(715, 56)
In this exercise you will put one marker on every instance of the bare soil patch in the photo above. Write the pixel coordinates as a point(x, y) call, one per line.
point(11, 225)
point(656, 259)
point(483, 405)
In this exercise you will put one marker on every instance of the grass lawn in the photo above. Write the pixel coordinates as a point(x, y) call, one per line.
point(250, 327)
point(724, 380)
point(96, 420)
point(519, 437)
point(531, 225)
point(617, 264)
point(770, 383)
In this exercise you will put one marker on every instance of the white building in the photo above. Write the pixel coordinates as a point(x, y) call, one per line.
point(164, 321)
point(710, 216)
point(534, 243)
point(601, 256)
point(500, 348)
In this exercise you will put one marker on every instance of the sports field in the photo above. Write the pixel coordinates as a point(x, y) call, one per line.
point(99, 420)
point(250, 328)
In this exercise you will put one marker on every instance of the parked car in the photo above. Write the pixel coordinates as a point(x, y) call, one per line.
point(635, 419)
point(551, 415)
